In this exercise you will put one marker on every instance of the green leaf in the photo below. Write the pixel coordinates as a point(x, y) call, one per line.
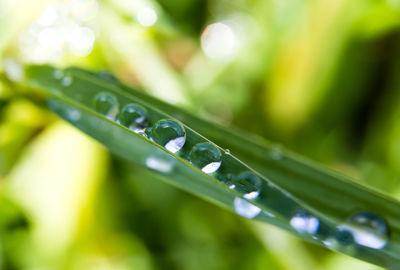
point(267, 183)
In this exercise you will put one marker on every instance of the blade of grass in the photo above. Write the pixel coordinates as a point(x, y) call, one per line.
point(290, 184)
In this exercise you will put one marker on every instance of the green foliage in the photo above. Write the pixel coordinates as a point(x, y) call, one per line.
point(287, 187)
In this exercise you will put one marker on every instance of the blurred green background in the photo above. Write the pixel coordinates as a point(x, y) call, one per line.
point(321, 77)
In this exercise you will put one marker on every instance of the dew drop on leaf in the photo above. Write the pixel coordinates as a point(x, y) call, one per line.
point(66, 81)
point(169, 134)
point(303, 222)
point(133, 117)
point(367, 230)
point(206, 156)
point(106, 104)
point(58, 74)
point(249, 184)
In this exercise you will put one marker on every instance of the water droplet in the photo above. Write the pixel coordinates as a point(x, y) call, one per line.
point(277, 152)
point(107, 76)
point(72, 115)
point(245, 209)
point(169, 134)
point(58, 74)
point(147, 132)
point(303, 222)
point(159, 164)
point(52, 104)
point(227, 179)
point(249, 184)
point(206, 156)
point(133, 117)
point(367, 229)
point(66, 81)
point(227, 151)
point(106, 104)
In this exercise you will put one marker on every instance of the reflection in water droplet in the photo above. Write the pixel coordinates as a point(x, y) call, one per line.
point(248, 184)
point(169, 134)
point(52, 104)
point(206, 156)
point(245, 209)
point(367, 229)
point(106, 104)
point(133, 117)
point(304, 223)
point(66, 81)
point(159, 164)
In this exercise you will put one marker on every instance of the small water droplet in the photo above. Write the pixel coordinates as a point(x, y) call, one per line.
point(303, 222)
point(248, 184)
point(106, 104)
point(73, 115)
point(52, 104)
point(245, 209)
point(206, 156)
point(58, 74)
point(147, 132)
point(169, 134)
point(367, 229)
point(66, 81)
point(227, 179)
point(277, 152)
point(133, 117)
point(227, 151)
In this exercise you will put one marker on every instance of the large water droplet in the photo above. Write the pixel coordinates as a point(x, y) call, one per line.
point(169, 134)
point(106, 104)
point(133, 117)
point(206, 156)
point(248, 184)
point(245, 209)
point(303, 222)
point(367, 229)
